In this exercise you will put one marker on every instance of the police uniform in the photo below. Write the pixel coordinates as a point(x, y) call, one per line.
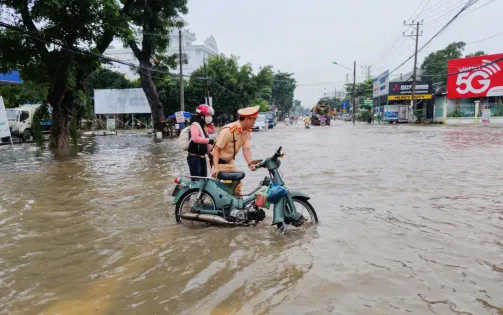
point(231, 139)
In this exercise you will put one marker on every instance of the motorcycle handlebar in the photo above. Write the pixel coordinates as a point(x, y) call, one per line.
point(276, 155)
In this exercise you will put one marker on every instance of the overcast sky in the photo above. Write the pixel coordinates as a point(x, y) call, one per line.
point(304, 37)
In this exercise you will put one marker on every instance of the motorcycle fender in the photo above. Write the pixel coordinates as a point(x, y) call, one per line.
point(279, 207)
point(299, 195)
point(183, 190)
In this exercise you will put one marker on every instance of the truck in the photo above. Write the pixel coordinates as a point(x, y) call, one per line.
point(319, 110)
point(21, 121)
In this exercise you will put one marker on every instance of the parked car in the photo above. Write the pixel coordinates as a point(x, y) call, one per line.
point(261, 123)
point(271, 119)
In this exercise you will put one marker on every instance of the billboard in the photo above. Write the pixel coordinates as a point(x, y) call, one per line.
point(125, 101)
point(4, 122)
point(380, 84)
point(481, 77)
point(402, 91)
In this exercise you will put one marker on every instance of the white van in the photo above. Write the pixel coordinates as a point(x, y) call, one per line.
point(21, 120)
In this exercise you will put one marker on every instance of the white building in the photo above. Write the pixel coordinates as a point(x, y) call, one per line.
point(194, 54)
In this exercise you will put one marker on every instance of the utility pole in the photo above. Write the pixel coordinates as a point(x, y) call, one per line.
point(180, 60)
point(414, 72)
point(354, 93)
point(206, 83)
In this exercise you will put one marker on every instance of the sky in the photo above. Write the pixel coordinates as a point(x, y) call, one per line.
point(306, 37)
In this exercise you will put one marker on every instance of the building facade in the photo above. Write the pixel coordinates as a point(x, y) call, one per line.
point(194, 54)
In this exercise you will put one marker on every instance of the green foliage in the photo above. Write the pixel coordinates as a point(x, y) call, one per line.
point(456, 113)
point(18, 94)
point(363, 115)
point(231, 86)
point(435, 64)
point(476, 54)
point(419, 113)
point(498, 109)
point(41, 114)
point(264, 106)
point(283, 89)
point(75, 24)
point(363, 89)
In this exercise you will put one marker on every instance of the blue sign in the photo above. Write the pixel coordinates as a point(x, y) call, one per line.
point(392, 114)
point(344, 104)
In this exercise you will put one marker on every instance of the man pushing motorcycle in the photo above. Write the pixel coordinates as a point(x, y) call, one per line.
point(231, 138)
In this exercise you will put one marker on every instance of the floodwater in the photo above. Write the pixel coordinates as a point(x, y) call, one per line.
point(411, 221)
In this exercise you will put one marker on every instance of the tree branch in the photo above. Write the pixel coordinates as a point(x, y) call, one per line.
point(134, 47)
point(28, 23)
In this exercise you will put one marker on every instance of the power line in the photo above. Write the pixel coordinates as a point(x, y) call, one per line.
point(467, 5)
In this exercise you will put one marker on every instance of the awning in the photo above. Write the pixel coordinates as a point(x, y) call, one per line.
point(11, 77)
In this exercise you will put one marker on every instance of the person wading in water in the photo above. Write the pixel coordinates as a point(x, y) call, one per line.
point(230, 140)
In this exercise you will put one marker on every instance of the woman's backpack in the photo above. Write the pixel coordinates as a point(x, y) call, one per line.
point(184, 138)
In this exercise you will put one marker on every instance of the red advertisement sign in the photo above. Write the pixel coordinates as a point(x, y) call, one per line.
point(481, 77)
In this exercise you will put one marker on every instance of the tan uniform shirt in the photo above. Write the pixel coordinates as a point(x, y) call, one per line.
point(225, 141)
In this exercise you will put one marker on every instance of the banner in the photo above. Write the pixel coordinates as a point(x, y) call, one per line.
point(125, 101)
point(4, 122)
point(380, 84)
point(481, 77)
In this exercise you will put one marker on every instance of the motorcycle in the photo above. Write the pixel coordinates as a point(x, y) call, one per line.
point(306, 123)
point(215, 203)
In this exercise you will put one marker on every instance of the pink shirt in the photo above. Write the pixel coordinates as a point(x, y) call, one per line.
point(198, 137)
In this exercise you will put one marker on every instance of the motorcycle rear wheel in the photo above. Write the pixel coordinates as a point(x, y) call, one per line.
point(193, 193)
point(310, 209)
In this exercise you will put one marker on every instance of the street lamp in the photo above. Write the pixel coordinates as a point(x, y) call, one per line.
point(354, 87)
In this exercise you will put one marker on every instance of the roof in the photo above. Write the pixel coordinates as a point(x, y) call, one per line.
point(11, 77)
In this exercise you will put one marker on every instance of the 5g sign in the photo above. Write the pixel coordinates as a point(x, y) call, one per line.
point(465, 82)
point(478, 76)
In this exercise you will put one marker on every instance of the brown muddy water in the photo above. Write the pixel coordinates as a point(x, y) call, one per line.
point(411, 222)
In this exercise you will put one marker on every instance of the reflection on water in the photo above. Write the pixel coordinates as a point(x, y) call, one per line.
point(411, 221)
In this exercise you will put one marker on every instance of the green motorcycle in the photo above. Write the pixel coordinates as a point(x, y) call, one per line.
point(211, 200)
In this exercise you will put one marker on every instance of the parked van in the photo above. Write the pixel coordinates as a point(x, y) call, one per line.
point(21, 121)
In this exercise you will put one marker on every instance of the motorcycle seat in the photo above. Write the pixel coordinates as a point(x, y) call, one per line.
point(231, 175)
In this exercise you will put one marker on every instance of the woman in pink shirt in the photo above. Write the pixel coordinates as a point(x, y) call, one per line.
point(200, 143)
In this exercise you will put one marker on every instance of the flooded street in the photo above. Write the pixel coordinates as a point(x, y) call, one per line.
point(411, 221)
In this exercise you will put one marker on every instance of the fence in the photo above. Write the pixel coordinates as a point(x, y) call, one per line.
point(465, 112)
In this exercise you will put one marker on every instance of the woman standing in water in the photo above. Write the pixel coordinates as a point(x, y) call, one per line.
point(200, 142)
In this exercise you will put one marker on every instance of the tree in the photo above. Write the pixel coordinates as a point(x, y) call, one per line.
point(363, 89)
point(283, 90)
point(155, 18)
point(476, 54)
point(41, 41)
point(232, 87)
point(18, 94)
point(435, 64)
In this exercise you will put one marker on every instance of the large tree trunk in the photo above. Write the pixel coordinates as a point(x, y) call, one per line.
point(150, 90)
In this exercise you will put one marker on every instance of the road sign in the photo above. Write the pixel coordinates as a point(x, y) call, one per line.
point(344, 104)
point(367, 102)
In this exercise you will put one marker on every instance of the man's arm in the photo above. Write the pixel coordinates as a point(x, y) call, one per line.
point(216, 157)
point(247, 154)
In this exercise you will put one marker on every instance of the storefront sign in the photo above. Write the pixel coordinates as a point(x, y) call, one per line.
point(409, 97)
point(405, 88)
point(380, 84)
point(480, 76)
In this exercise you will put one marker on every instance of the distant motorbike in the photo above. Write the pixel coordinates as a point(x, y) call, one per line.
point(213, 201)
point(306, 123)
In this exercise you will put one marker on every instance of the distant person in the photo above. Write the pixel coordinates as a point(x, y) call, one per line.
point(200, 142)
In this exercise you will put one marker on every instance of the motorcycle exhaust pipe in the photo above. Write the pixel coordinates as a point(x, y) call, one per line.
point(208, 218)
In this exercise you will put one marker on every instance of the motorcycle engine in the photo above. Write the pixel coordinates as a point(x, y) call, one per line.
point(256, 215)
point(239, 215)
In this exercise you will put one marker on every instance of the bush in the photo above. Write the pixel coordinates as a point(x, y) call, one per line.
point(419, 113)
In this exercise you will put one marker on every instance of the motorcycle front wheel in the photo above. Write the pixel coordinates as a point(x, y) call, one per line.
point(187, 202)
point(310, 220)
